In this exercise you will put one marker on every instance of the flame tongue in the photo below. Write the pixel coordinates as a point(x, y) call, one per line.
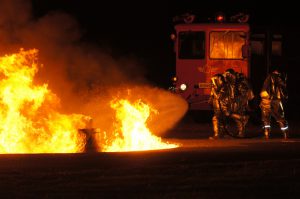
point(133, 135)
point(29, 122)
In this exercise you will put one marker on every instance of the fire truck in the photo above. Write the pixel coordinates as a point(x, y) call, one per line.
point(203, 49)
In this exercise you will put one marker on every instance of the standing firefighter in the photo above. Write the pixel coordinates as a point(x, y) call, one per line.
point(273, 94)
point(217, 96)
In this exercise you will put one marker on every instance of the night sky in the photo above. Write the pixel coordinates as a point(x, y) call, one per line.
point(142, 28)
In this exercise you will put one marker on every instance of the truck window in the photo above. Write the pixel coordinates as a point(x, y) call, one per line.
point(257, 44)
point(277, 45)
point(227, 44)
point(191, 45)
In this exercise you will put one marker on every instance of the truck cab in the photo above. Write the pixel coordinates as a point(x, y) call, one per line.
point(203, 50)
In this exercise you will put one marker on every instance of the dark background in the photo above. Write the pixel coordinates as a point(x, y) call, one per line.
point(143, 28)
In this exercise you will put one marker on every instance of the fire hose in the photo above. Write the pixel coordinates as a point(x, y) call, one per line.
point(223, 116)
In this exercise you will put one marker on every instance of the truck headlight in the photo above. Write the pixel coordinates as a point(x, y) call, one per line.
point(183, 87)
point(174, 79)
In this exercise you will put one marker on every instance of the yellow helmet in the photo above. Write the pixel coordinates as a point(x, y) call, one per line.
point(264, 94)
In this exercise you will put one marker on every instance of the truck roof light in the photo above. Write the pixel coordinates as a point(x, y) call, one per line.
point(220, 17)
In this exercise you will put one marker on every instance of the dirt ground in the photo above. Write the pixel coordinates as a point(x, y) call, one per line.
point(160, 174)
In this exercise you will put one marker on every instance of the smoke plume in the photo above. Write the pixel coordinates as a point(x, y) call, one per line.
point(84, 76)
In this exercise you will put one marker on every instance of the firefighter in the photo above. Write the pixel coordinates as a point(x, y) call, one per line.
point(231, 87)
point(217, 97)
point(273, 94)
point(239, 93)
point(228, 96)
point(243, 94)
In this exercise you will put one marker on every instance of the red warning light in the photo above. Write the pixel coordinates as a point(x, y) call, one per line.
point(220, 18)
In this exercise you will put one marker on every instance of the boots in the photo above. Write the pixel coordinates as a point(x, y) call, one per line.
point(286, 134)
point(216, 129)
point(284, 129)
point(267, 133)
point(241, 129)
point(241, 124)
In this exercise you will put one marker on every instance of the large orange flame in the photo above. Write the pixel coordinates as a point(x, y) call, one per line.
point(131, 132)
point(31, 123)
point(29, 120)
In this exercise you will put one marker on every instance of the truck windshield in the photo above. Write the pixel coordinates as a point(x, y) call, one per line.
point(191, 45)
point(226, 44)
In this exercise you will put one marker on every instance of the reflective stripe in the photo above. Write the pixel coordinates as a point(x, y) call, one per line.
point(281, 105)
point(284, 128)
point(267, 126)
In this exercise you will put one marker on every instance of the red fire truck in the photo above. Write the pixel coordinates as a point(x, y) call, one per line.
point(204, 49)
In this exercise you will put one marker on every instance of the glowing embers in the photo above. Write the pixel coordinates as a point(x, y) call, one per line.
point(131, 132)
point(29, 120)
